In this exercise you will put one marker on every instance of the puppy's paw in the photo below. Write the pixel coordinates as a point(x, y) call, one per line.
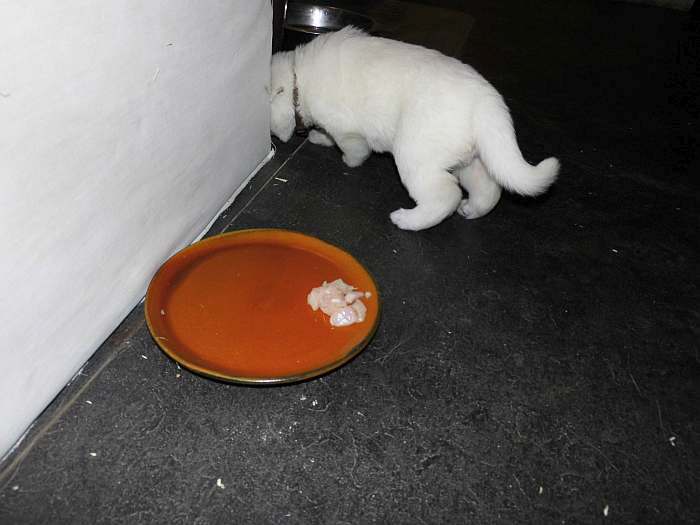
point(404, 219)
point(353, 162)
point(472, 210)
point(467, 211)
point(319, 138)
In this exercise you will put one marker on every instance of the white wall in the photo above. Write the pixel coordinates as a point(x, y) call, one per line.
point(124, 127)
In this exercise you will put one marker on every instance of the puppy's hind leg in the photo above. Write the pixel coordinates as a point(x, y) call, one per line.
point(355, 149)
point(319, 137)
point(435, 191)
point(484, 192)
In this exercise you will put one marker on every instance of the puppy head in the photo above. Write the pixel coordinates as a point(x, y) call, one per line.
point(282, 122)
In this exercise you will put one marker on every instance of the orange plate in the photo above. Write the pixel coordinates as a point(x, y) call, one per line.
point(233, 307)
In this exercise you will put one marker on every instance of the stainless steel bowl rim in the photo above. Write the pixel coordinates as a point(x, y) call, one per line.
point(300, 17)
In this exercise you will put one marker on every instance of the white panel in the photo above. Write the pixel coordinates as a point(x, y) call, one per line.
point(124, 127)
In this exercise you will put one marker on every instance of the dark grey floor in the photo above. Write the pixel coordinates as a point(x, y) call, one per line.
point(538, 365)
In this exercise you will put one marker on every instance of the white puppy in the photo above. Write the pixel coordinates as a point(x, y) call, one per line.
point(442, 121)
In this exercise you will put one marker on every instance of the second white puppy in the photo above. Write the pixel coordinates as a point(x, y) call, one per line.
point(442, 121)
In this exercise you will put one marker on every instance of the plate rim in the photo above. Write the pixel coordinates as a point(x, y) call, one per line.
point(275, 380)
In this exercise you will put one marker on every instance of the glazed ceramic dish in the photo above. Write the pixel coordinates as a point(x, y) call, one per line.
point(234, 307)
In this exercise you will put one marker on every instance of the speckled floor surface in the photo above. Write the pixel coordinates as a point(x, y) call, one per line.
point(538, 365)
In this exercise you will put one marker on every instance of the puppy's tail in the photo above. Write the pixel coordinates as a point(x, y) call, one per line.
point(499, 151)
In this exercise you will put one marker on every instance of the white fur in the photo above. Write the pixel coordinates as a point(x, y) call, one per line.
point(442, 121)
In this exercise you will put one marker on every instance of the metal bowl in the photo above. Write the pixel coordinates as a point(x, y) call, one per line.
point(302, 22)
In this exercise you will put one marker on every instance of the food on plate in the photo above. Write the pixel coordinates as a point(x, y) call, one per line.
point(340, 301)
